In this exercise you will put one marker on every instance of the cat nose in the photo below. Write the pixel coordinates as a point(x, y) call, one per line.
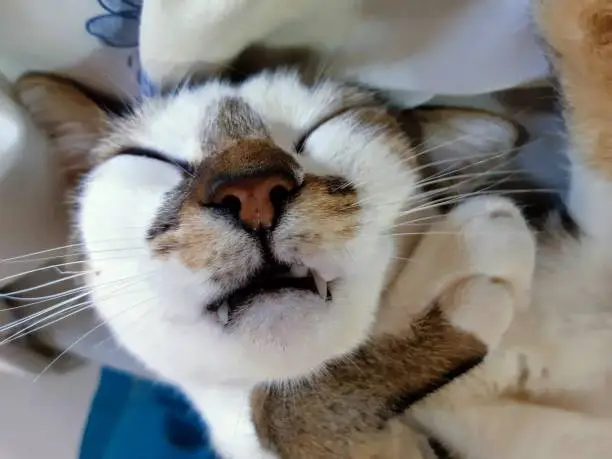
point(256, 201)
point(252, 180)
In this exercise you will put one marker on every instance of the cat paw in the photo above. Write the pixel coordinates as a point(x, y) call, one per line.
point(497, 241)
point(499, 250)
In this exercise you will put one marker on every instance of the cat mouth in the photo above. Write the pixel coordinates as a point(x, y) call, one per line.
point(273, 279)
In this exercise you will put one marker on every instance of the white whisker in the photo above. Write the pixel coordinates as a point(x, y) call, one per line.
point(46, 311)
point(85, 335)
point(34, 327)
point(14, 294)
point(30, 317)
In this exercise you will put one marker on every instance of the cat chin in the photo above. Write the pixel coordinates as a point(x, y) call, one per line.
point(277, 338)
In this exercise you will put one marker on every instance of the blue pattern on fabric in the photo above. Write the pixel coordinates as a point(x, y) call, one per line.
point(118, 26)
point(134, 418)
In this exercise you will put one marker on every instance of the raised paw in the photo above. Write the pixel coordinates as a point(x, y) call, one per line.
point(477, 264)
point(496, 253)
point(496, 242)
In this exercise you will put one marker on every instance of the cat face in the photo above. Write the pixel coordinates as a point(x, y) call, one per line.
point(218, 252)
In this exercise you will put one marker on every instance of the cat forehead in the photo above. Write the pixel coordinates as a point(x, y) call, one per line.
point(191, 123)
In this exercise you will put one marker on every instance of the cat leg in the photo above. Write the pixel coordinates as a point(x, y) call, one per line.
point(508, 429)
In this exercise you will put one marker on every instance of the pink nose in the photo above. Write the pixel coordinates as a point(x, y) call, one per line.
point(256, 200)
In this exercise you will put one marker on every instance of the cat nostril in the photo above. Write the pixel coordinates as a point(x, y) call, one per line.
point(279, 195)
point(255, 201)
point(231, 204)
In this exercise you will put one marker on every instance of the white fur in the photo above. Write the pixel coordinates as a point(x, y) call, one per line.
point(228, 411)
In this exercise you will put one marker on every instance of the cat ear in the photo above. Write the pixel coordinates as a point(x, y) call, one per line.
point(465, 145)
point(72, 120)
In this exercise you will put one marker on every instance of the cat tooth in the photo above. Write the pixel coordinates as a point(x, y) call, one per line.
point(327, 272)
point(223, 313)
point(299, 271)
point(320, 283)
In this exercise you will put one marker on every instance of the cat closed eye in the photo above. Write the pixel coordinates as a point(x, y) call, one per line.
point(184, 167)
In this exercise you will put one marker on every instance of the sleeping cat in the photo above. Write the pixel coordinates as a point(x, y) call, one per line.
point(252, 252)
point(279, 256)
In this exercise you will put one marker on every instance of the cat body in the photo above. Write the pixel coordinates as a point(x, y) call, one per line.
point(177, 186)
point(329, 225)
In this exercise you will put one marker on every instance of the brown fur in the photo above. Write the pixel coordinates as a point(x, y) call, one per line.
point(193, 242)
point(234, 121)
point(333, 415)
point(75, 125)
point(257, 58)
point(580, 35)
point(327, 212)
point(244, 158)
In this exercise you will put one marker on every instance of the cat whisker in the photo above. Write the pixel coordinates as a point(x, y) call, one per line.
point(36, 326)
point(15, 293)
point(43, 299)
point(466, 178)
point(48, 313)
point(85, 335)
point(30, 260)
point(35, 301)
point(450, 175)
point(66, 247)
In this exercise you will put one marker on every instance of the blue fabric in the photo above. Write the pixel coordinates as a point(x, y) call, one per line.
point(134, 418)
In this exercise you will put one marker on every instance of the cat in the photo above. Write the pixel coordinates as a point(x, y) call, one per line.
point(175, 183)
point(348, 150)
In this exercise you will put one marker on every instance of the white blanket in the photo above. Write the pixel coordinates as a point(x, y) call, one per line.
point(409, 46)
point(427, 46)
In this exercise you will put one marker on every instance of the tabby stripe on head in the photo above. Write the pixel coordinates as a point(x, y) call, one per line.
point(168, 217)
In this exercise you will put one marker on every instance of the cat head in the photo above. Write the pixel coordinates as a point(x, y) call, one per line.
point(245, 232)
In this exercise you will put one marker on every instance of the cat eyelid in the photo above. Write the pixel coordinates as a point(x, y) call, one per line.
point(299, 145)
point(184, 166)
